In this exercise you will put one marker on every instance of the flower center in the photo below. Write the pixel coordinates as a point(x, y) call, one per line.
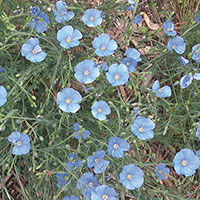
point(92, 18)
point(115, 146)
point(34, 10)
point(90, 184)
point(168, 29)
point(129, 177)
point(105, 196)
point(128, 63)
point(103, 48)
point(68, 39)
point(141, 130)
point(34, 51)
point(117, 77)
point(62, 13)
point(40, 20)
point(160, 91)
point(96, 160)
point(19, 143)
point(184, 162)
point(99, 110)
point(68, 101)
point(73, 161)
point(174, 46)
point(86, 73)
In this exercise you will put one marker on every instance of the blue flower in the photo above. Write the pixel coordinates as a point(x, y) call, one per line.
point(74, 162)
point(61, 14)
point(80, 132)
point(131, 177)
point(142, 128)
point(137, 19)
point(68, 100)
point(129, 7)
point(117, 74)
point(100, 109)
point(162, 171)
point(86, 71)
point(198, 132)
point(62, 180)
point(87, 183)
point(186, 80)
point(183, 60)
point(161, 92)
point(198, 154)
point(196, 53)
point(98, 162)
point(92, 17)
point(21, 142)
point(104, 67)
point(1, 69)
point(104, 46)
point(104, 192)
point(71, 198)
point(34, 11)
point(198, 18)
point(69, 37)
point(168, 28)
point(117, 146)
point(32, 51)
point(134, 54)
point(3, 96)
point(132, 2)
point(130, 63)
point(136, 110)
point(177, 44)
point(186, 162)
point(39, 23)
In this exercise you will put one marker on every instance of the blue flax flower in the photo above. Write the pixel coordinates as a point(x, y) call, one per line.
point(117, 146)
point(69, 37)
point(198, 132)
point(104, 192)
point(186, 162)
point(80, 132)
point(117, 74)
point(70, 198)
point(183, 60)
point(131, 177)
point(39, 23)
point(177, 44)
point(74, 162)
point(137, 19)
point(32, 51)
point(186, 80)
point(68, 100)
point(161, 92)
point(62, 180)
point(104, 67)
point(98, 162)
point(3, 96)
point(168, 28)
point(86, 71)
point(92, 17)
point(143, 128)
point(196, 53)
point(134, 54)
point(198, 18)
point(21, 142)
point(1, 69)
point(100, 109)
point(103, 45)
point(61, 14)
point(34, 11)
point(87, 183)
point(130, 63)
point(162, 171)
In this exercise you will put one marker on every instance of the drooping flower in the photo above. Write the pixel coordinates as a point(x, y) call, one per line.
point(161, 92)
point(92, 17)
point(61, 14)
point(98, 162)
point(104, 192)
point(68, 100)
point(80, 132)
point(3, 96)
point(186, 162)
point(100, 109)
point(69, 37)
point(70, 198)
point(74, 162)
point(183, 60)
point(198, 18)
point(162, 172)
point(186, 80)
point(136, 110)
point(117, 146)
point(39, 23)
point(104, 46)
point(86, 71)
point(87, 183)
point(32, 51)
point(196, 53)
point(62, 179)
point(131, 177)
point(130, 63)
point(21, 142)
point(177, 44)
point(104, 67)
point(137, 19)
point(198, 132)
point(143, 128)
point(134, 54)
point(168, 28)
point(34, 11)
point(117, 74)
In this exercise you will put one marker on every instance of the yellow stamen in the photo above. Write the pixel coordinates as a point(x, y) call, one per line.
point(86, 73)
point(129, 176)
point(68, 101)
point(92, 18)
point(141, 130)
point(160, 91)
point(34, 51)
point(68, 39)
point(99, 110)
point(174, 46)
point(105, 196)
point(128, 63)
point(96, 160)
point(90, 184)
point(117, 77)
point(184, 162)
point(115, 146)
point(103, 48)
point(19, 143)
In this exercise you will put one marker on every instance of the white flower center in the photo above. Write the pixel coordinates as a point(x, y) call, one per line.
point(184, 162)
point(117, 77)
point(67, 100)
point(115, 146)
point(19, 143)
